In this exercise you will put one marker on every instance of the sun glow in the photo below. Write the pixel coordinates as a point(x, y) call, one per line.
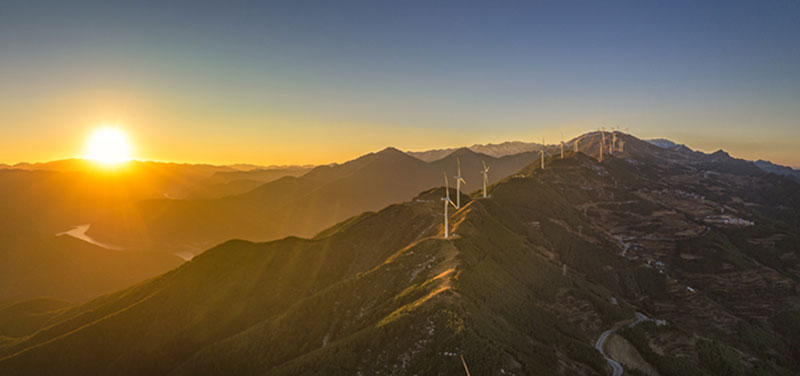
point(108, 145)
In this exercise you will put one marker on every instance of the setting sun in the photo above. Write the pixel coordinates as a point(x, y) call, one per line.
point(108, 145)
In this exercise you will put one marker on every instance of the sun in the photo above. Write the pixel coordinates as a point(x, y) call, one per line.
point(108, 145)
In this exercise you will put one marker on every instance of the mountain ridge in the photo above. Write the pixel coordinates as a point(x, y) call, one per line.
point(532, 276)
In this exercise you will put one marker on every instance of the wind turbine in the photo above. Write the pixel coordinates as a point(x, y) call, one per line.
point(485, 173)
point(542, 153)
point(602, 143)
point(447, 201)
point(562, 145)
point(577, 140)
point(459, 180)
point(613, 142)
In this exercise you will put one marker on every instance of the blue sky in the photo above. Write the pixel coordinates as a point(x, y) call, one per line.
point(314, 82)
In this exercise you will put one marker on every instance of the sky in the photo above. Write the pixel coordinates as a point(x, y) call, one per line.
point(311, 82)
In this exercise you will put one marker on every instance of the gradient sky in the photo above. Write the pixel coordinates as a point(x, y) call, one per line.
point(318, 82)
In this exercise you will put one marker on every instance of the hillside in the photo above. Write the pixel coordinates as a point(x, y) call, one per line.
point(532, 277)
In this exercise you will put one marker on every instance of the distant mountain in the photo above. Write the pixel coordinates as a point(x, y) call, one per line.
point(65, 193)
point(778, 169)
point(762, 164)
point(300, 206)
point(494, 150)
point(631, 250)
point(228, 183)
point(667, 144)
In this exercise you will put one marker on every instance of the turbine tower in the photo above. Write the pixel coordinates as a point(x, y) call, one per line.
point(447, 201)
point(485, 173)
point(602, 144)
point(613, 142)
point(542, 153)
point(577, 140)
point(459, 180)
point(562, 145)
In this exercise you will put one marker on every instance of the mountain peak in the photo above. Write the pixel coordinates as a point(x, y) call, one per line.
point(390, 150)
point(462, 151)
point(721, 153)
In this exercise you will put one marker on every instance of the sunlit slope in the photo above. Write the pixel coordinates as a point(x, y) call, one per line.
point(489, 294)
point(25, 317)
point(219, 293)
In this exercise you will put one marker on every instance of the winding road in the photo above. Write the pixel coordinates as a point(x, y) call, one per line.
point(615, 366)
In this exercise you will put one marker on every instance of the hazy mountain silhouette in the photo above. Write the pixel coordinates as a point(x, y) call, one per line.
point(66, 193)
point(495, 150)
point(228, 183)
point(40, 200)
point(300, 206)
point(384, 293)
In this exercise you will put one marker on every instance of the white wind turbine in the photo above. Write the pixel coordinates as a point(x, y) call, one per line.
point(613, 142)
point(542, 153)
point(577, 140)
point(562, 145)
point(447, 201)
point(602, 143)
point(459, 180)
point(485, 173)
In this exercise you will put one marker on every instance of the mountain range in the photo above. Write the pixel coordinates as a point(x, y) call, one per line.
point(295, 205)
point(494, 150)
point(39, 201)
point(671, 262)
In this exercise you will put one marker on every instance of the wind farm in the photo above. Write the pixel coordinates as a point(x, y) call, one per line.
point(256, 188)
